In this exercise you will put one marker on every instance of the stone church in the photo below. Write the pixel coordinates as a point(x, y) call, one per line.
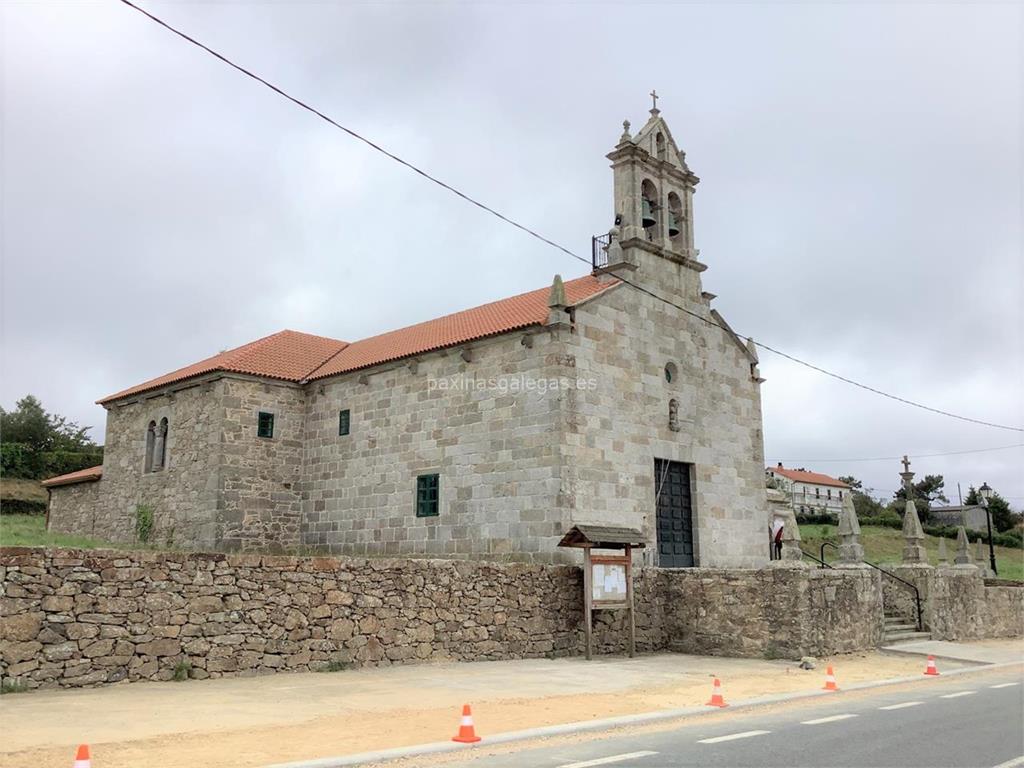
point(485, 434)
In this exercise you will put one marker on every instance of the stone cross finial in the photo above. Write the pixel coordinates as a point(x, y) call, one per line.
point(654, 103)
point(906, 463)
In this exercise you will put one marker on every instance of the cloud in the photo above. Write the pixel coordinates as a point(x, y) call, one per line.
point(860, 203)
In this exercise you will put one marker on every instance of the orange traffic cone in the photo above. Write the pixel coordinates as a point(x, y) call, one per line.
point(82, 759)
point(466, 733)
point(716, 695)
point(930, 669)
point(830, 680)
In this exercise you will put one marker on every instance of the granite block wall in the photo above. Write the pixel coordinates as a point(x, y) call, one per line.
point(80, 617)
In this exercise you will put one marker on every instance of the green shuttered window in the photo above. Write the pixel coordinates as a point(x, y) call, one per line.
point(344, 422)
point(427, 488)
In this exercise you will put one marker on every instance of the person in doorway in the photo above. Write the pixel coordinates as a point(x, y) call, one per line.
point(777, 527)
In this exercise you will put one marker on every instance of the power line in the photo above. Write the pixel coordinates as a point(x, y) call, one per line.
point(532, 233)
point(897, 458)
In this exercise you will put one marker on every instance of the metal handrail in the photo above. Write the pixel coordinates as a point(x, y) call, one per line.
point(917, 592)
point(816, 559)
point(823, 545)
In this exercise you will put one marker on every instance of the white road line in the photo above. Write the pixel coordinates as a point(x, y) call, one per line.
point(957, 695)
point(1011, 763)
point(831, 719)
point(1003, 685)
point(731, 736)
point(608, 760)
point(903, 705)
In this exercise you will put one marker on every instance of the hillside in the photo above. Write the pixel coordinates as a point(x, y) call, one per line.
point(885, 545)
point(22, 496)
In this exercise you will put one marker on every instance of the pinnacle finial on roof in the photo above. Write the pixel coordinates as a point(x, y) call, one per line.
point(556, 298)
point(625, 132)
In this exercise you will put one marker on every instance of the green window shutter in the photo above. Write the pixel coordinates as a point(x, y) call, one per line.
point(265, 425)
point(427, 495)
point(344, 422)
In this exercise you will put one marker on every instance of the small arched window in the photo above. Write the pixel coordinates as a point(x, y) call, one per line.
point(150, 445)
point(671, 372)
point(160, 449)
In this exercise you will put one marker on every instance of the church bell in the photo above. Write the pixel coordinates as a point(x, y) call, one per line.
point(647, 219)
point(673, 224)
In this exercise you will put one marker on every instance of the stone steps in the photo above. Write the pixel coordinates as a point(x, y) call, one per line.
point(899, 629)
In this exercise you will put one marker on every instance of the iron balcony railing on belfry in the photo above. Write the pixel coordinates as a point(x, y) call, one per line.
point(599, 250)
point(890, 574)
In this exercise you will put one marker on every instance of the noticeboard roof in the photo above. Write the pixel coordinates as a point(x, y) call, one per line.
point(602, 537)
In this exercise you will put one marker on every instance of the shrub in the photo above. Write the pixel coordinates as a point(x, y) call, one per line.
point(22, 507)
point(182, 671)
point(815, 518)
point(143, 522)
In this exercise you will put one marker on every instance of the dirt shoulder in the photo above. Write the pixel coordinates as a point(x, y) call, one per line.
point(229, 723)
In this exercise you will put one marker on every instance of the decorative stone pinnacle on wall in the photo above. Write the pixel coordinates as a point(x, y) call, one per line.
point(556, 302)
point(981, 557)
point(963, 552)
point(943, 554)
point(792, 554)
point(851, 553)
point(913, 534)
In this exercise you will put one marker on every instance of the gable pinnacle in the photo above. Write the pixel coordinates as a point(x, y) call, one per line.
point(654, 108)
point(556, 298)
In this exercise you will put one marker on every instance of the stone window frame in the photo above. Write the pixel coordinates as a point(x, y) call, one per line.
point(344, 422)
point(427, 497)
point(157, 436)
point(671, 372)
point(265, 425)
point(149, 445)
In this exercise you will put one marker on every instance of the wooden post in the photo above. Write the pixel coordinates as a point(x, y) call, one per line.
point(629, 600)
point(588, 595)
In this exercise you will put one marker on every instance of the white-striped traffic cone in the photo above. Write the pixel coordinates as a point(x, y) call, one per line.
point(830, 680)
point(466, 734)
point(716, 695)
point(82, 759)
point(931, 669)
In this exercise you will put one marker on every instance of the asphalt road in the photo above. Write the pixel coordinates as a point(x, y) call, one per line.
point(967, 721)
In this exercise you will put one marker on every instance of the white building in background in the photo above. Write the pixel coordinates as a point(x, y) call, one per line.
point(809, 492)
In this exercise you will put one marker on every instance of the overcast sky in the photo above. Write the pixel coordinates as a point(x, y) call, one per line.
point(860, 202)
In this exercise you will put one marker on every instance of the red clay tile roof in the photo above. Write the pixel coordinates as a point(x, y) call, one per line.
point(287, 355)
point(81, 476)
point(294, 356)
point(803, 476)
point(491, 319)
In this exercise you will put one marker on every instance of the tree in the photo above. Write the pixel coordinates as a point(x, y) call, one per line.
point(1003, 519)
point(35, 444)
point(926, 491)
point(863, 504)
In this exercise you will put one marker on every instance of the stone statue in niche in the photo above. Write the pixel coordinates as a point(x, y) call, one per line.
point(673, 415)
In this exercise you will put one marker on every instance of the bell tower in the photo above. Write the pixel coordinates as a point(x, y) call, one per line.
point(653, 232)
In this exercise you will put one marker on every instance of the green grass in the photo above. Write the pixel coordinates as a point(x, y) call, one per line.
point(30, 531)
point(885, 546)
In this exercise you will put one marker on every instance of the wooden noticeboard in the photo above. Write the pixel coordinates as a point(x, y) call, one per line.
point(607, 578)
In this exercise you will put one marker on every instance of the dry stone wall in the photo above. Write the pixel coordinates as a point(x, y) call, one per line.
point(958, 603)
point(73, 618)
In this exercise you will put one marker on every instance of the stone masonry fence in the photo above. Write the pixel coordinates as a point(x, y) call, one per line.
point(76, 618)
